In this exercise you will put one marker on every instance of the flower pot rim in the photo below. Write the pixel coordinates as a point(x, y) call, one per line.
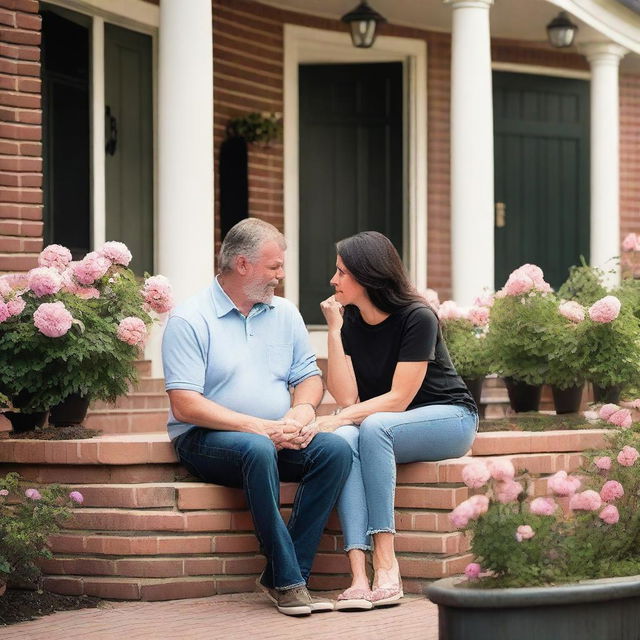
point(448, 592)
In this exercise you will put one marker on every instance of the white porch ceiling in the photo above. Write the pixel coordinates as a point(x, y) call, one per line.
point(512, 19)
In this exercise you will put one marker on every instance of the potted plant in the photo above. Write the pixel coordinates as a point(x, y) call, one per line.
point(256, 127)
point(518, 340)
point(74, 329)
point(560, 566)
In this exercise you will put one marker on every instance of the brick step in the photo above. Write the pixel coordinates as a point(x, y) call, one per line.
point(127, 420)
point(143, 367)
point(147, 384)
point(134, 400)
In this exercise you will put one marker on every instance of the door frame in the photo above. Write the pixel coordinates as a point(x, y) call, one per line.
point(305, 45)
point(135, 15)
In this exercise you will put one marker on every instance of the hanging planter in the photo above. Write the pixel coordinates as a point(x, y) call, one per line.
point(262, 128)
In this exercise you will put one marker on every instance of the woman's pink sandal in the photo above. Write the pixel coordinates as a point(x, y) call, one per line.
point(354, 599)
point(383, 597)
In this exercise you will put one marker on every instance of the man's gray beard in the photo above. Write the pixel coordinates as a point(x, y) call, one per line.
point(257, 292)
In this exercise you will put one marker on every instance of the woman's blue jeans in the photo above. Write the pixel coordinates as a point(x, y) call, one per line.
point(435, 432)
point(250, 461)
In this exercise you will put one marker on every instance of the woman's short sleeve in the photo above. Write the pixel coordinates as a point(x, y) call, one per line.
point(419, 336)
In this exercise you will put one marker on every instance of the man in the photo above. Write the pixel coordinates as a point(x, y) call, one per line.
point(231, 354)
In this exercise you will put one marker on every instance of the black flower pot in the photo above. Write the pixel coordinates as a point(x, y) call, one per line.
point(567, 400)
point(522, 396)
point(72, 410)
point(475, 389)
point(607, 395)
point(22, 422)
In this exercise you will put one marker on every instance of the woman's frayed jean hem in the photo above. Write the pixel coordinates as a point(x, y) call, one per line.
point(361, 547)
point(372, 532)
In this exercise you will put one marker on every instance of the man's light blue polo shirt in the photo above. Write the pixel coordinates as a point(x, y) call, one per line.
point(242, 363)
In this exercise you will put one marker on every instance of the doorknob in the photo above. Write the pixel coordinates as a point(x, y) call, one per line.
point(501, 214)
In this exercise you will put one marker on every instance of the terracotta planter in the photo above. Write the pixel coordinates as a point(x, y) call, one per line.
point(22, 422)
point(567, 400)
point(72, 410)
point(607, 394)
point(605, 609)
point(522, 396)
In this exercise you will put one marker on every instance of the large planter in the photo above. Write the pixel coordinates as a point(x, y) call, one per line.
point(522, 396)
point(605, 609)
point(475, 389)
point(567, 400)
point(72, 410)
point(22, 422)
point(606, 395)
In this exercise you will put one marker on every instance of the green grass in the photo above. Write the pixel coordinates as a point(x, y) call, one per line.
point(533, 421)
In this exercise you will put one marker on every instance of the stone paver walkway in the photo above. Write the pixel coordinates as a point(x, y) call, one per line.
point(241, 616)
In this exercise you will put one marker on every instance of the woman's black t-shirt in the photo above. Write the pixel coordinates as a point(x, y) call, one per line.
point(411, 334)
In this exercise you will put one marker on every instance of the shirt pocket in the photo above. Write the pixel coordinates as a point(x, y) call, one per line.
point(280, 358)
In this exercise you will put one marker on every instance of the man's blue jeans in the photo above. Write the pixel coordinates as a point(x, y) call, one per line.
point(250, 461)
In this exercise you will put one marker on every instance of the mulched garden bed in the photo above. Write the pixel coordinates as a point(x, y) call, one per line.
point(73, 432)
point(540, 422)
point(18, 605)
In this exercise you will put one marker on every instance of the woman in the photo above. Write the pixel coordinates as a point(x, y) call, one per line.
point(401, 399)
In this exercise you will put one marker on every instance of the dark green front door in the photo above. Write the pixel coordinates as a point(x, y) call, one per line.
point(351, 169)
point(129, 152)
point(541, 128)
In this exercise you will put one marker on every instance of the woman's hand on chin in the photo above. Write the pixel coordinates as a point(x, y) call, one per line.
point(332, 311)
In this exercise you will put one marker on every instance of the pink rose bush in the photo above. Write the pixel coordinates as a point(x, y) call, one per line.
point(75, 326)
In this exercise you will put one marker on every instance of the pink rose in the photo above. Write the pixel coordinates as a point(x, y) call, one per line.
point(607, 410)
point(524, 532)
point(157, 294)
point(479, 316)
point(628, 456)
point(52, 319)
point(472, 570)
point(611, 490)
point(56, 256)
point(572, 310)
point(587, 500)
point(77, 497)
point(33, 494)
point(44, 281)
point(502, 470)
point(562, 484)
point(543, 506)
point(603, 463)
point(475, 475)
point(507, 491)
point(621, 418)
point(605, 310)
point(132, 330)
point(610, 514)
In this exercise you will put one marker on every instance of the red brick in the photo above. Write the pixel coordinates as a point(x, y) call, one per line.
point(8, 18)
point(18, 36)
point(28, 22)
point(28, 6)
point(20, 211)
point(64, 586)
point(253, 564)
point(177, 589)
point(22, 100)
point(235, 543)
point(150, 568)
point(208, 496)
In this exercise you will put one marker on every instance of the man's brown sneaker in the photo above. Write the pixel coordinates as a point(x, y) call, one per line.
point(318, 605)
point(293, 602)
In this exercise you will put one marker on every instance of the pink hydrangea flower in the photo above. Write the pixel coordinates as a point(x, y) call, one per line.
point(16, 280)
point(157, 294)
point(588, 500)
point(524, 532)
point(461, 515)
point(92, 267)
point(610, 514)
point(4, 311)
point(52, 319)
point(605, 310)
point(517, 284)
point(635, 404)
point(562, 484)
point(611, 490)
point(77, 497)
point(116, 252)
point(507, 491)
point(480, 503)
point(572, 310)
point(607, 410)
point(628, 456)
point(4, 492)
point(5, 288)
point(479, 316)
point(591, 416)
point(543, 506)
point(44, 281)
point(472, 570)
point(33, 494)
point(631, 242)
point(132, 330)
point(432, 298)
point(603, 463)
point(16, 306)
point(621, 418)
point(502, 470)
point(484, 300)
point(449, 310)
point(475, 474)
point(55, 256)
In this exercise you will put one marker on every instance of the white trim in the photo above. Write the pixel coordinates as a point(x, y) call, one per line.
point(98, 182)
point(132, 14)
point(539, 70)
point(304, 44)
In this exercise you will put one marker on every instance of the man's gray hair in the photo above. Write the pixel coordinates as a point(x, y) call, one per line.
point(246, 239)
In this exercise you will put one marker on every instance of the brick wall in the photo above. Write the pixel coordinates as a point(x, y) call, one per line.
point(20, 135)
point(629, 154)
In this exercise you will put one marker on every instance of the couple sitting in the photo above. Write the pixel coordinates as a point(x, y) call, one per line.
point(231, 355)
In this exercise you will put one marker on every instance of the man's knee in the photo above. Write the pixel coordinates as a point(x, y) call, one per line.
point(336, 449)
point(260, 449)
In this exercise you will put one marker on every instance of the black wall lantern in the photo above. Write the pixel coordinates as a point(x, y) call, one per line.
point(561, 31)
point(363, 22)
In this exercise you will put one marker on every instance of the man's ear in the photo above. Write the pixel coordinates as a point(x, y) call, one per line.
point(242, 265)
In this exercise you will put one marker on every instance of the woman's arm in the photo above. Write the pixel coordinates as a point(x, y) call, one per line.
point(407, 379)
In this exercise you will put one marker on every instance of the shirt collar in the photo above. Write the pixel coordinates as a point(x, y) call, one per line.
point(224, 304)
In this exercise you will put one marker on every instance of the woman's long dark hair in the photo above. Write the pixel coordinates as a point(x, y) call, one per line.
point(374, 262)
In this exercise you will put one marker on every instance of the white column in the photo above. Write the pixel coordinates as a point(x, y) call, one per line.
point(185, 145)
point(604, 58)
point(471, 150)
